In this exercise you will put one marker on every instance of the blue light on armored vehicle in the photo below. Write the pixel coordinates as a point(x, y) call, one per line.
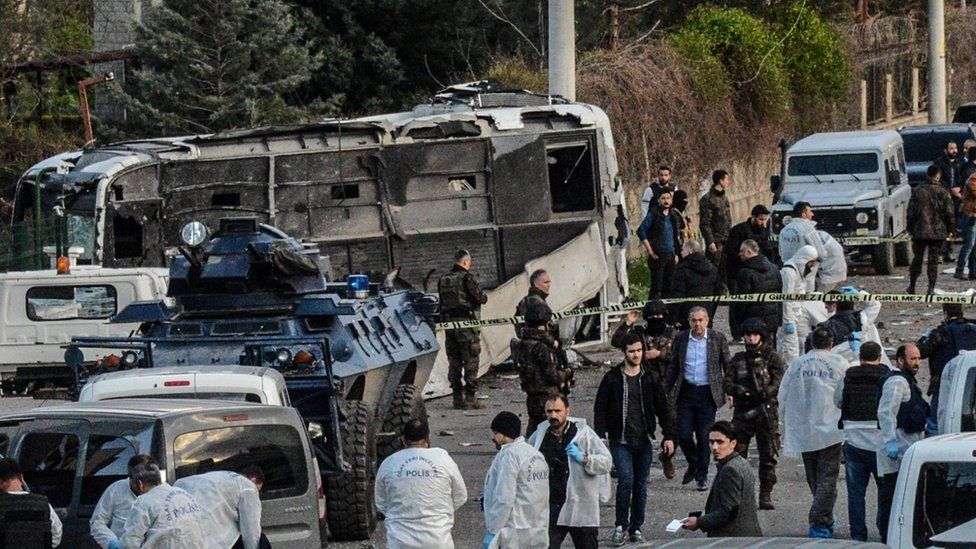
point(358, 286)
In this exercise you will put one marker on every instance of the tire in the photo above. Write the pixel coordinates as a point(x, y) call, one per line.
point(903, 254)
point(350, 496)
point(406, 405)
point(882, 257)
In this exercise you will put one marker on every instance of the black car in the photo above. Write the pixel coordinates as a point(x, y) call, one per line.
point(926, 143)
point(965, 114)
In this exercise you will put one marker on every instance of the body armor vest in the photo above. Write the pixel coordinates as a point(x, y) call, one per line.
point(453, 297)
point(842, 325)
point(527, 355)
point(25, 521)
point(913, 414)
point(860, 398)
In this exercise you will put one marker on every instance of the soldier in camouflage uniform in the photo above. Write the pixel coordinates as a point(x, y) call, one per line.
point(752, 385)
point(539, 284)
point(658, 337)
point(541, 371)
point(460, 299)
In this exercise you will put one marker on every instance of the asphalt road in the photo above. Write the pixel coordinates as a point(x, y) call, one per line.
point(466, 436)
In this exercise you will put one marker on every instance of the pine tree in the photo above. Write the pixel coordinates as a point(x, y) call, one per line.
point(211, 65)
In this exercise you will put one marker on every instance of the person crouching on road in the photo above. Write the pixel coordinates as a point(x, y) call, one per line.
point(902, 414)
point(541, 369)
point(730, 510)
point(856, 395)
point(752, 385)
point(108, 519)
point(234, 503)
point(579, 474)
point(163, 515)
point(629, 398)
point(418, 489)
point(516, 490)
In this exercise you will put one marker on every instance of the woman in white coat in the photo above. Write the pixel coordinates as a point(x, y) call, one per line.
point(795, 274)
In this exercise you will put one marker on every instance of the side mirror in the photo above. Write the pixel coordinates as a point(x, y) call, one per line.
point(315, 432)
point(894, 177)
point(774, 183)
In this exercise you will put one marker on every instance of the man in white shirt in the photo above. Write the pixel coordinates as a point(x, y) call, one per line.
point(418, 489)
point(651, 192)
point(29, 507)
point(856, 395)
point(809, 419)
point(233, 502)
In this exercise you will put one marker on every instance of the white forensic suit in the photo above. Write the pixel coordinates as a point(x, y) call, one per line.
point(419, 489)
point(811, 313)
point(945, 410)
point(108, 519)
point(894, 392)
point(517, 497)
point(589, 483)
point(807, 414)
point(167, 517)
point(833, 265)
point(234, 505)
point(798, 233)
point(789, 345)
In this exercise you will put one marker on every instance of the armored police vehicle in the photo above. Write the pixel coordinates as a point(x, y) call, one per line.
point(253, 296)
point(521, 180)
point(857, 184)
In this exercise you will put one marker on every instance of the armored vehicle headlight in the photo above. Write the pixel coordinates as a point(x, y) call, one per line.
point(130, 359)
point(284, 356)
point(862, 218)
point(194, 233)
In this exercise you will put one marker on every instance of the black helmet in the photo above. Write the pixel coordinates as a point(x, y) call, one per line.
point(655, 307)
point(754, 326)
point(538, 314)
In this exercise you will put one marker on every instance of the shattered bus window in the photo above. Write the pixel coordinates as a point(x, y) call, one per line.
point(571, 182)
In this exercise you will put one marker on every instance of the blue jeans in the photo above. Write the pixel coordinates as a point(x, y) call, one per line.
point(696, 413)
point(932, 423)
point(633, 463)
point(860, 466)
point(967, 228)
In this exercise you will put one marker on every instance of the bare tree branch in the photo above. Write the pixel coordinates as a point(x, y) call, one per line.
point(640, 7)
point(507, 21)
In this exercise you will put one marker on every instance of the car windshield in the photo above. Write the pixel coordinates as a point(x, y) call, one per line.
point(945, 498)
point(929, 146)
point(833, 164)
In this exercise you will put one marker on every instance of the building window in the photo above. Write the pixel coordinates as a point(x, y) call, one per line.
point(71, 302)
point(343, 192)
point(571, 183)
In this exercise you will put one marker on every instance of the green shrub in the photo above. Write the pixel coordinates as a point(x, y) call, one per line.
point(516, 74)
point(749, 53)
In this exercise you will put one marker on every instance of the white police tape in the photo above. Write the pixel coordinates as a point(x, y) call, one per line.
point(869, 240)
point(965, 299)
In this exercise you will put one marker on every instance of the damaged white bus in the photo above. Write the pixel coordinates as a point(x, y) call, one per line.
point(522, 181)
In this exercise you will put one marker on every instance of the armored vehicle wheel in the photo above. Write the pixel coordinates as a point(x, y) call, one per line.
point(903, 254)
point(349, 496)
point(881, 258)
point(407, 404)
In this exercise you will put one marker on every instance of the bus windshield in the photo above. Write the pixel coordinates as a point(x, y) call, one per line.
point(67, 218)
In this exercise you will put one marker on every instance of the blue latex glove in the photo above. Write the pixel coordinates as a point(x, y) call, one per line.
point(575, 453)
point(849, 290)
point(115, 544)
point(485, 543)
point(891, 448)
point(855, 341)
point(790, 328)
point(481, 500)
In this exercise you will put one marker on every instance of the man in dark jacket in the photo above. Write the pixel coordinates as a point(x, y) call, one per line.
point(752, 386)
point(755, 229)
point(757, 275)
point(660, 235)
point(694, 276)
point(627, 401)
point(930, 220)
point(696, 377)
point(950, 166)
point(939, 346)
point(461, 298)
point(731, 507)
point(539, 284)
point(541, 372)
point(715, 220)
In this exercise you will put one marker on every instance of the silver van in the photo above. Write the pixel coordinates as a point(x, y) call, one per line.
point(73, 452)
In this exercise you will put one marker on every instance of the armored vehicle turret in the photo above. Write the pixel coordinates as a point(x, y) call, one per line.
point(354, 355)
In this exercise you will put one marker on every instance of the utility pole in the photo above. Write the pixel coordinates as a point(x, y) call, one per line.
point(562, 49)
point(937, 57)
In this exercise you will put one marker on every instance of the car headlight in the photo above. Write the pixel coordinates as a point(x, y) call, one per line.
point(194, 233)
point(861, 218)
point(130, 359)
point(284, 357)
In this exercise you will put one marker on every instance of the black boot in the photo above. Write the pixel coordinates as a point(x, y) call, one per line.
point(931, 288)
point(911, 286)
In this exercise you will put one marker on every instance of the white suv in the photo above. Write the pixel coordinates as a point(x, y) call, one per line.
point(235, 383)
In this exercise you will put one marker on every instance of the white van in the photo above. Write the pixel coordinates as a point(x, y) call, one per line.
point(43, 310)
point(935, 497)
point(236, 383)
point(957, 394)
